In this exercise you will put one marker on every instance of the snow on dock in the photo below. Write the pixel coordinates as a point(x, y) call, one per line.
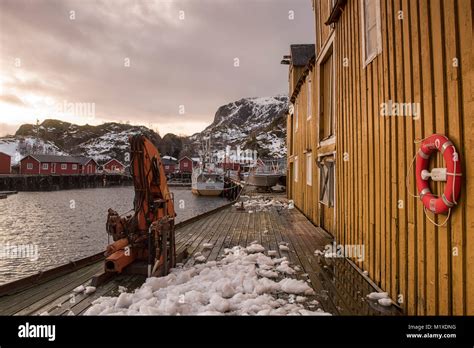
point(239, 263)
point(234, 285)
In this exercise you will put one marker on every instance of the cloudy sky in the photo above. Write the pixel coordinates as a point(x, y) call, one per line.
point(166, 64)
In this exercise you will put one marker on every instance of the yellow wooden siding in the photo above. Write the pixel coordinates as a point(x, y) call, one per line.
point(428, 268)
point(304, 195)
point(405, 254)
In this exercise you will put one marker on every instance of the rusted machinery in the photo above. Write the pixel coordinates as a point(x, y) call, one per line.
point(144, 239)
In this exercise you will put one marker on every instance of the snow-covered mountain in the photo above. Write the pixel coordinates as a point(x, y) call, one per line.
point(103, 142)
point(251, 123)
point(18, 147)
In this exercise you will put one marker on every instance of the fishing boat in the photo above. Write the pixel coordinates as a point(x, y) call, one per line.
point(207, 178)
point(207, 181)
point(266, 174)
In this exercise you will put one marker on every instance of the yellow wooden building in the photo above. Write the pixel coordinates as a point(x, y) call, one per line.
point(349, 159)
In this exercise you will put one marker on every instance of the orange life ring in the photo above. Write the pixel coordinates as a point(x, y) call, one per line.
point(439, 205)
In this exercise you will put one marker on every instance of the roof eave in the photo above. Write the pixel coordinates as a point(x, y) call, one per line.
point(336, 12)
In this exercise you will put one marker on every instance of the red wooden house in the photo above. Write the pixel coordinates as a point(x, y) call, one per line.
point(57, 165)
point(114, 166)
point(185, 165)
point(169, 163)
point(5, 163)
point(87, 165)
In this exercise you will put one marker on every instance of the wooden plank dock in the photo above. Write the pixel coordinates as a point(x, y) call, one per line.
point(53, 182)
point(340, 288)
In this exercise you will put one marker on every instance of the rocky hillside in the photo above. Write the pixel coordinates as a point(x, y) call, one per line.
point(251, 123)
point(109, 140)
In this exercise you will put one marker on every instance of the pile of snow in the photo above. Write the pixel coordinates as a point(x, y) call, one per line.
point(84, 289)
point(381, 297)
point(242, 283)
point(258, 204)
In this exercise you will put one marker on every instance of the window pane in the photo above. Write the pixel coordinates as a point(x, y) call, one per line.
point(370, 28)
point(295, 167)
point(371, 41)
point(370, 13)
point(296, 116)
point(309, 98)
point(326, 117)
point(309, 168)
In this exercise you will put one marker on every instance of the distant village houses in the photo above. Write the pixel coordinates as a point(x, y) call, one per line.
point(51, 164)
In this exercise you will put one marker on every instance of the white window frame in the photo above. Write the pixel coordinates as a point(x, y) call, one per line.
point(44, 166)
point(378, 50)
point(309, 169)
point(321, 59)
point(29, 166)
point(330, 195)
point(295, 169)
point(185, 164)
point(309, 92)
point(63, 166)
point(74, 167)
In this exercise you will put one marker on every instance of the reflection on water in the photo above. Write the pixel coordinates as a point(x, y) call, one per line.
point(41, 230)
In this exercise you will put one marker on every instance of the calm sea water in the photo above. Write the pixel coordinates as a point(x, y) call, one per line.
point(53, 228)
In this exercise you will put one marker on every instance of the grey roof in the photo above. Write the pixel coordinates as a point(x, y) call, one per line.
point(83, 160)
point(301, 54)
point(167, 161)
point(60, 159)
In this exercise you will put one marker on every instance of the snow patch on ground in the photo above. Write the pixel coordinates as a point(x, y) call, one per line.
point(385, 302)
point(79, 289)
point(262, 204)
point(238, 284)
point(377, 295)
point(255, 248)
point(89, 290)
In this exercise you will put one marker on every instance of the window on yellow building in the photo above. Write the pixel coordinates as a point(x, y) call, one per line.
point(371, 29)
point(296, 116)
point(295, 169)
point(326, 119)
point(310, 99)
point(326, 181)
point(309, 169)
